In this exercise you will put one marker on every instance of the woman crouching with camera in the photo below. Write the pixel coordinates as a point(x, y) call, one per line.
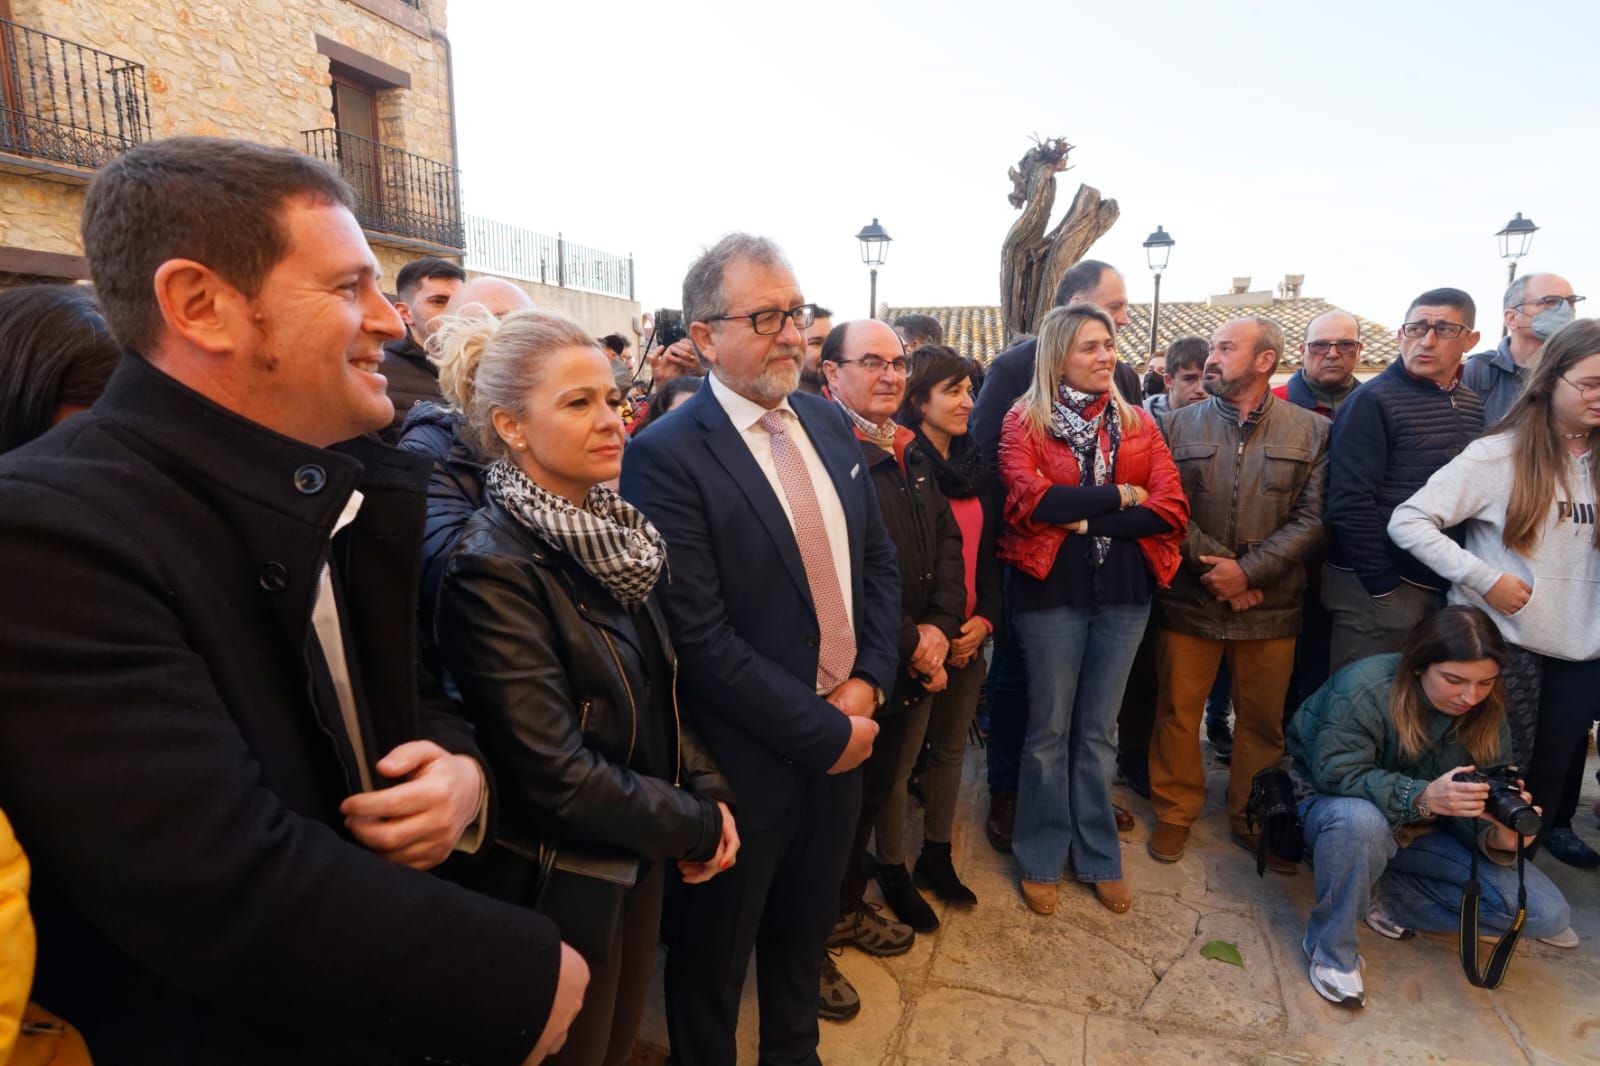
point(548, 626)
point(1389, 829)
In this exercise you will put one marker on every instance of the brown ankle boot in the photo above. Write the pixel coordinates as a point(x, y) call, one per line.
point(1167, 842)
point(1040, 897)
point(1117, 896)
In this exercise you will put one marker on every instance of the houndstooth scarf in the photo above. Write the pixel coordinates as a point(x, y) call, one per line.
point(1092, 428)
point(607, 536)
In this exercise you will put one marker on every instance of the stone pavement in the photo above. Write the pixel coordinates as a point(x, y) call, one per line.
point(1000, 986)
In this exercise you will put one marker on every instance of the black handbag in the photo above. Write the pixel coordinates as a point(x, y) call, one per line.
point(581, 888)
point(1272, 814)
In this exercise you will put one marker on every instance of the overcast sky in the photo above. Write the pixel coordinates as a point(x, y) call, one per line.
point(1374, 147)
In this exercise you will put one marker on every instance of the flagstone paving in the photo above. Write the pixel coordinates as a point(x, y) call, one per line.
point(1000, 986)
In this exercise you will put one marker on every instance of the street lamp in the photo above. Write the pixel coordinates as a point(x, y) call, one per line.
point(874, 250)
point(1515, 240)
point(1157, 249)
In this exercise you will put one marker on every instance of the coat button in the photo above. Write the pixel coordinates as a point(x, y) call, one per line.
point(813, 642)
point(310, 479)
point(274, 577)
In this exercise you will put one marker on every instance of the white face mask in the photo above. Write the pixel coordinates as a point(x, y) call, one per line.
point(1545, 323)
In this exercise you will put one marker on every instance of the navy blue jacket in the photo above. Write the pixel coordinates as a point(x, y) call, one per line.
point(737, 601)
point(455, 491)
point(1391, 435)
point(1496, 378)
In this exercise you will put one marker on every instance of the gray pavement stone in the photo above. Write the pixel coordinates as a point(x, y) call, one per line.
point(1209, 994)
point(1119, 1041)
point(950, 1025)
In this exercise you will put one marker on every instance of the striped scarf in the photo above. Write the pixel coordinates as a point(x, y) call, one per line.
point(607, 536)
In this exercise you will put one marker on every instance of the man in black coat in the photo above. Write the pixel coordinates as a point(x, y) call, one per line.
point(424, 288)
point(211, 644)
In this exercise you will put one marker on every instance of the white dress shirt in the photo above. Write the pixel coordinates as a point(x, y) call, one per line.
point(746, 417)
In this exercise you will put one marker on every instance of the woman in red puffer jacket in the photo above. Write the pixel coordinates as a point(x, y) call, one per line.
point(1095, 514)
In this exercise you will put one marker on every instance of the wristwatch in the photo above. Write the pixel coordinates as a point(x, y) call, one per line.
point(1422, 807)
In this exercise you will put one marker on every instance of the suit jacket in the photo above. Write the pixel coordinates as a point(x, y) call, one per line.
point(173, 759)
point(737, 600)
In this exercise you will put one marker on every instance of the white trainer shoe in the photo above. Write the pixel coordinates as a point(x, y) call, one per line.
point(1343, 988)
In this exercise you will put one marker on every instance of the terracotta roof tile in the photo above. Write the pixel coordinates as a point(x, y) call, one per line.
point(977, 332)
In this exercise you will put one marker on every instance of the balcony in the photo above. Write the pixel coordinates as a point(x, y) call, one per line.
point(514, 252)
point(401, 199)
point(66, 108)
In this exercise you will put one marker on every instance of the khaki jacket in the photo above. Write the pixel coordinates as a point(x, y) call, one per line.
point(1255, 495)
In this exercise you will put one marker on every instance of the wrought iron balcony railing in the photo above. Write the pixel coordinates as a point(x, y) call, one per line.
point(397, 193)
point(66, 102)
point(498, 248)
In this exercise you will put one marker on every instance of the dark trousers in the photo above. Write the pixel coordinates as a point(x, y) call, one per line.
point(779, 900)
point(1007, 697)
point(878, 777)
point(1569, 702)
point(1136, 718)
point(606, 1028)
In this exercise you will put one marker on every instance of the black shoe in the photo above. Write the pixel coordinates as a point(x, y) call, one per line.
point(1002, 818)
point(937, 874)
point(863, 927)
point(1221, 738)
point(903, 898)
point(837, 1000)
point(1135, 767)
point(914, 789)
point(1567, 846)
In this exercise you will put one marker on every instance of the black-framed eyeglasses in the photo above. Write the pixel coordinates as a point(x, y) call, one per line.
point(768, 323)
point(1585, 392)
point(1546, 303)
point(1445, 331)
point(1324, 347)
point(874, 364)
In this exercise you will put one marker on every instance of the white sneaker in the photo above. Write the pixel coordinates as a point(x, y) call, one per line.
point(1379, 922)
point(1341, 987)
point(1567, 938)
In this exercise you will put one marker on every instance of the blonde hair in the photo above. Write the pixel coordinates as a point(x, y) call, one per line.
point(1057, 334)
point(488, 364)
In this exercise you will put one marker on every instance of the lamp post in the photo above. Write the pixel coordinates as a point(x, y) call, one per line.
point(1157, 249)
point(1515, 239)
point(874, 250)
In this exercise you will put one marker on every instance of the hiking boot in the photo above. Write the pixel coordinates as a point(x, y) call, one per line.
point(864, 928)
point(837, 1000)
point(1002, 818)
point(935, 872)
point(904, 899)
point(1167, 842)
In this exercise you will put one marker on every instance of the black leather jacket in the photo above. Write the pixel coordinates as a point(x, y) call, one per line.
point(575, 700)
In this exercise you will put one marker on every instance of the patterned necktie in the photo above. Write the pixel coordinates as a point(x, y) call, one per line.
point(837, 655)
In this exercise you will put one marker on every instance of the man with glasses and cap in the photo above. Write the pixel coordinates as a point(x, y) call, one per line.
point(1535, 306)
point(1388, 439)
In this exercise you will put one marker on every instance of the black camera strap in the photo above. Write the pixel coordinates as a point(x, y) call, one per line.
point(1493, 974)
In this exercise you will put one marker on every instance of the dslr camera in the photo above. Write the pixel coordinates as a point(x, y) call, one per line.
point(669, 328)
point(1505, 803)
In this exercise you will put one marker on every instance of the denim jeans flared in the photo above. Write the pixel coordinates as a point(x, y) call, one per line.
point(1078, 662)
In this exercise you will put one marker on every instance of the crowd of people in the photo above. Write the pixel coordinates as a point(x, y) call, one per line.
point(380, 684)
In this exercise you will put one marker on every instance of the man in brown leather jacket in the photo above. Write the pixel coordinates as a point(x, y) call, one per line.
point(1254, 469)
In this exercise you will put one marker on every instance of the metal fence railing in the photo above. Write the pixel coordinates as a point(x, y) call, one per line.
point(396, 192)
point(498, 248)
point(66, 102)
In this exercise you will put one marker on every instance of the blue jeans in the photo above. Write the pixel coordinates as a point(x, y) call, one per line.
point(1007, 698)
point(1354, 853)
point(1064, 789)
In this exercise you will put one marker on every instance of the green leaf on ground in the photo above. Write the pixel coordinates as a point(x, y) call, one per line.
point(1223, 951)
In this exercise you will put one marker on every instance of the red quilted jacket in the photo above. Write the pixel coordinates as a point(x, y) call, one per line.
point(1029, 467)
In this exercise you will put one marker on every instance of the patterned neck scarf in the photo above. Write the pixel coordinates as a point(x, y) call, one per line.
point(1092, 428)
point(882, 436)
point(607, 536)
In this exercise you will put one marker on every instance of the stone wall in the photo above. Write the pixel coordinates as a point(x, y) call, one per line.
point(246, 69)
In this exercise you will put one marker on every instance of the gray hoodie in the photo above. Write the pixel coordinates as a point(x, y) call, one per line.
point(1562, 617)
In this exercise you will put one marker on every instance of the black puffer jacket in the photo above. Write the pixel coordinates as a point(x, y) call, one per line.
point(455, 490)
point(412, 380)
point(575, 701)
point(927, 542)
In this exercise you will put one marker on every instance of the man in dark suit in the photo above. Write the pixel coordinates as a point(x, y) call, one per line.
point(210, 643)
point(784, 605)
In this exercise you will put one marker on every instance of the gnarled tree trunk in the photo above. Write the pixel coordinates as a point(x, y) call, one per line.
point(1032, 261)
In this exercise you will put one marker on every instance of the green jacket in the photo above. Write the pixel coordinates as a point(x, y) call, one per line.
point(1344, 743)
